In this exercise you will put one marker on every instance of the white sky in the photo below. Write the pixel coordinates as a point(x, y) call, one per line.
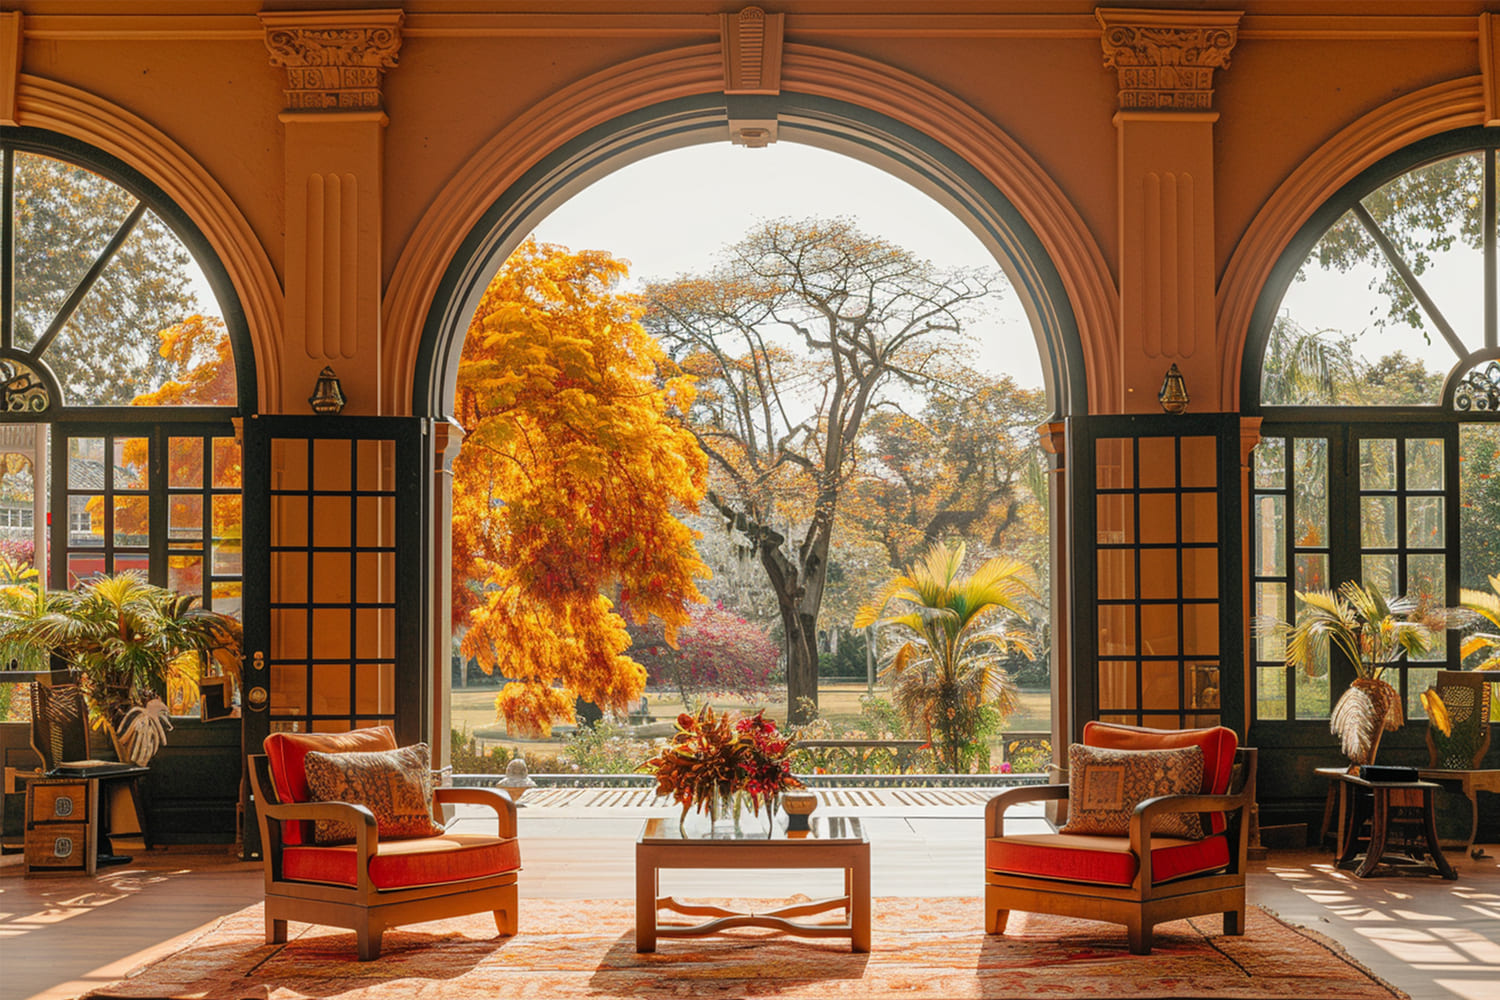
point(671, 213)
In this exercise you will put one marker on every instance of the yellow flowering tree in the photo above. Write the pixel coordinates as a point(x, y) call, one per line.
point(566, 489)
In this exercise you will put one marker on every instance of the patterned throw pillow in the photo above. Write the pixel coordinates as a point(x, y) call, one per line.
point(1105, 786)
point(396, 785)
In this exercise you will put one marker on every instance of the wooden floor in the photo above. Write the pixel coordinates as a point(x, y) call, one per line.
point(1435, 940)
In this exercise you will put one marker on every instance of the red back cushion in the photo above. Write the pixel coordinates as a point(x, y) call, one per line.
point(285, 752)
point(1217, 743)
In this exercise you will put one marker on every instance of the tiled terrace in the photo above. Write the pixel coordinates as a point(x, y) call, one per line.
point(1435, 940)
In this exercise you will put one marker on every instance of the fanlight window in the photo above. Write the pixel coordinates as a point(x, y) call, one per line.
point(1395, 302)
point(101, 303)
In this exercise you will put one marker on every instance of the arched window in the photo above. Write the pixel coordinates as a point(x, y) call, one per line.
point(1375, 367)
point(118, 375)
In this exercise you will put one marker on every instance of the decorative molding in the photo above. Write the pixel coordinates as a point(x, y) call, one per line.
point(334, 61)
point(812, 70)
point(1442, 107)
point(334, 255)
point(752, 51)
point(10, 64)
point(1489, 65)
point(1166, 59)
point(47, 104)
point(1169, 221)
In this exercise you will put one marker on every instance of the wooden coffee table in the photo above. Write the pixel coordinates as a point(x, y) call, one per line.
point(834, 842)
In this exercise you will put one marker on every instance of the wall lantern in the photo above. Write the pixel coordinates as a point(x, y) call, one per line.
point(1173, 395)
point(328, 395)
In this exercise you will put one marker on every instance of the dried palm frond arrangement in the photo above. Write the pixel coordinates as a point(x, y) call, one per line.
point(1372, 632)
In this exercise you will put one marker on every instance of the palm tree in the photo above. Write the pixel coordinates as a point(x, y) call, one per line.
point(955, 631)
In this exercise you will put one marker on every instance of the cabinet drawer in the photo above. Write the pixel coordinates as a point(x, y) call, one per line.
point(57, 845)
point(60, 802)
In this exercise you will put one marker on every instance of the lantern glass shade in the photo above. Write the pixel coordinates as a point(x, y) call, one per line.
point(1173, 395)
point(328, 394)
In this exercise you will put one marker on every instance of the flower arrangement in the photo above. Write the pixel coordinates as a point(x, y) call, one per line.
point(716, 758)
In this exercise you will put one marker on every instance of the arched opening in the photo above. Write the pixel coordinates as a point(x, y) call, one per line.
point(818, 122)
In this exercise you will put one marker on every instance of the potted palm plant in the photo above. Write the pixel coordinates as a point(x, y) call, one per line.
point(1372, 632)
point(124, 637)
point(954, 630)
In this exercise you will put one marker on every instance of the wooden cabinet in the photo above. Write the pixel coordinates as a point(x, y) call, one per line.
point(62, 825)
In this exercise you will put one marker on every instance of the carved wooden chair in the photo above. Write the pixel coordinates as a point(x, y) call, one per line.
point(373, 883)
point(1455, 760)
point(1140, 879)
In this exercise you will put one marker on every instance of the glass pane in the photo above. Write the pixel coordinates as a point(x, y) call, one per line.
point(289, 520)
point(331, 465)
point(1200, 629)
point(228, 535)
point(1270, 605)
point(1158, 518)
point(289, 577)
point(86, 522)
point(1424, 523)
point(1159, 630)
point(185, 519)
point(1158, 464)
point(377, 465)
point(83, 567)
point(1311, 572)
point(1478, 504)
point(1377, 522)
point(1270, 536)
point(1116, 574)
point(142, 334)
point(228, 462)
point(185, 575)
point(1159, 574)
point(1200, 517)
point(1311, 694)
point(18, 513)
point(288, 689)
point(1381, 572)
point(377, 521)
point(331, 637)
point(374, 688)
point(1377, 464)
point(132, 460)
point(185, 463)
point(375, 579)
point(1426, 577)
point(288, 633)
point(1418, 679)
point(1424, 464)
point(1115, 459)
point(330, 692)
point(1161, 686)
point(85, 463)
point(1270, 463)
point(132, 521)
point(331, 579)
point(375, 631)
point(1270, 693)
point(1199, 462)
point(289, 464)
point(1310, 492)
point(64, 217)
point(331, 521)
point(1200, 572)
point(1117, 630)
point(227, 596)
point(1116, 518)
point(1116, 685)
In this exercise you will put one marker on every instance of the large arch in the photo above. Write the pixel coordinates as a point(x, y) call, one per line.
point(833, 100)
point(239, 271)
point(1383, 132)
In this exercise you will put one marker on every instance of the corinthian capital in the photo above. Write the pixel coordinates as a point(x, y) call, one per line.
point(334, 60)
point(1166, 59)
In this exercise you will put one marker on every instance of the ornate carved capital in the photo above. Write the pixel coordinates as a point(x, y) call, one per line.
point(334, 60)
point(1166, 59)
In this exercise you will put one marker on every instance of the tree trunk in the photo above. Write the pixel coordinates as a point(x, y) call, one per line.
point(801, 665)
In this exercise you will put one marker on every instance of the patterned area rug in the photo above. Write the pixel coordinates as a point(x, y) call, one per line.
point(922, 948)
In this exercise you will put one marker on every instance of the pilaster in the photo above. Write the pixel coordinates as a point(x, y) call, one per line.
point(1164, 141)
point(334, 171)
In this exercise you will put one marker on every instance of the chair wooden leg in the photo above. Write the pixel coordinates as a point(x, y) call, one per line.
point(505, 921)
point(275, 931)
point(995, 917)
point(369, 941)
point(1139, 934)
point(1234, 922)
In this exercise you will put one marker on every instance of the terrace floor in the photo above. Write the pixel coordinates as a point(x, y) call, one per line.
point(59, 937)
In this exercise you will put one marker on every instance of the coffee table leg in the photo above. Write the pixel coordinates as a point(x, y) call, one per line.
point(1429, 827)
point(645, 902)
point(859, 900)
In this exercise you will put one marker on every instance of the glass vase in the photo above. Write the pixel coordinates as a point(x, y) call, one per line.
point(724, 810)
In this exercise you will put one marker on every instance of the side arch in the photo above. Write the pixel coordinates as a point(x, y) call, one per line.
point(252, 285)
point(1241, 301)
point(673, 99)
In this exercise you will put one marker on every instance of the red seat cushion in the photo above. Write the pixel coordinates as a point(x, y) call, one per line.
point(1217, 743)
point(400, 864)
point(285, 752)
point(1104, 860)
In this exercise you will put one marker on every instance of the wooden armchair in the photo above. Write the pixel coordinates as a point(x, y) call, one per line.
point(1454, 761)
point(1138, 880)
point(373, 883)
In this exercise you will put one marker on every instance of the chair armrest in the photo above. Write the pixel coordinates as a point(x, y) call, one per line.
point(505, 809)
point(366, 831)
point(1148, 810)
point(994, 809)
